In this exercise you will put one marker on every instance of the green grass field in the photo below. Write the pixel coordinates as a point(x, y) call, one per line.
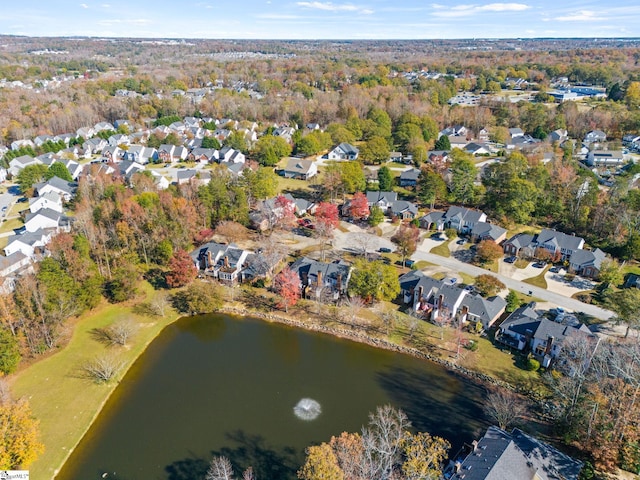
point(62, 400)
point(11, 224)
point(442, 249)
point(538, 280)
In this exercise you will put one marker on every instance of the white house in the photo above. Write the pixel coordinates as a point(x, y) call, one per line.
point(45, 218)
point(51, 200)
point(17, 164)
point(27, 243)
point(344, 151)
point(57, 185)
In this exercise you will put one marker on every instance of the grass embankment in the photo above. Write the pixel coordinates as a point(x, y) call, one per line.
point(63, 400)
point(11, 224)
point(442, 249)
point(538, 280)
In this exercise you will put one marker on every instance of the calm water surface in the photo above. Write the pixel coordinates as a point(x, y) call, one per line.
point(220, 385)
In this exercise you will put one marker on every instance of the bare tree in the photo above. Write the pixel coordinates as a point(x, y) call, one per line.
point(121, 332)
point(248, 474)
point(382, 440)
point(354, 304)
point(504, 407)
point(103, 368)
point(160, 305)
point(363, 241)
point(220, 469)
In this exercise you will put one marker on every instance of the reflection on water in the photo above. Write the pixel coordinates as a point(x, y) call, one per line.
point(216, 385)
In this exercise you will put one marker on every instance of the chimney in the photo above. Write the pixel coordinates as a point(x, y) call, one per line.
point(440, 301)
point(474, 446)
point(457, 466)
point(209, 258)
point(226, 261)
point(550, 340)
point(319, 278)
point(339, 283)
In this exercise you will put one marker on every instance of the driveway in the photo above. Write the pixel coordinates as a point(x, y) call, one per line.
point(551, 296)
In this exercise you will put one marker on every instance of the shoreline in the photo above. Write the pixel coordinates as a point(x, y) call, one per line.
point(310, 325)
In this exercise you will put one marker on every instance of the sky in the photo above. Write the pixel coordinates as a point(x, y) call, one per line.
point(319, 19)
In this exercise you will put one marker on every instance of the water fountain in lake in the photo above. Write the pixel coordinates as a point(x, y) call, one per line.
point(307, 409)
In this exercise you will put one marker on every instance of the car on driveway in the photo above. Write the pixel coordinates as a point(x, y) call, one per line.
point(462, 241)
point(554, 269)
point(539, 265)
point(470, 288)
point(384, 250)
point(510, 259)
point(437, 236)
point(409, 263)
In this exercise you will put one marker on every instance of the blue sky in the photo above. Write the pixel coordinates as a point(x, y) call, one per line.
point(309, 19)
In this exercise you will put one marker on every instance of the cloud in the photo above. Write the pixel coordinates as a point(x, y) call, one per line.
point(125, 21)
point(468, 10)
point(581, 16)
point(333, 7)
point(84, 5)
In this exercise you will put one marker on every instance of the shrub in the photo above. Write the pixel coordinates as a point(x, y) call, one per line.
point(533, 365)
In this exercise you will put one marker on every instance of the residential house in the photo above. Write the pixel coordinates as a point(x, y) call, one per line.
point(112, 154)
point(605, 158)
point(477, 149)
point(201, 177)
point(300, 169)
point(344, 151)
point(18, 144)
point(17, 164)
point(312, 126)
point(329, 280)
point(558, 244)
point(161, 182)
point(516, 132)
point(180, 153)
point(204, 155)
point(118, 139)
point(483, 135)
point(128, 169)
point(75, 169)
point(141, 154)
point(595, 136)
point(458, 141)
point(438, 158)
point(403, 210)
point(94, 146)
point(409, 178)
point(42, 139)
point(442, 302)
point(395, 157)
point(500, 455)
point(51, 200)
point(178, 127)
point(488, 231)
point(166, 152)
point(28, 243)
point(457, 130)
point(12, 264)
point(102, 126)
point(558, 136)
point(461, 218)
point(55, 184)
point(384, 200)
point(526, 329)
point(46, 218)
point(587, 262)
point(234, 169)
point(224, 262)
point(231, 155)
point(285, 132)
point(632, 280)
point(630, 139)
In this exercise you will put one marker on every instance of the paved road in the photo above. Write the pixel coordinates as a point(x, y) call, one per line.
point(549, 296)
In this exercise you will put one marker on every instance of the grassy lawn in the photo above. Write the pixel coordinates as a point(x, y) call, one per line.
point(538, 280)
point(442, 249)
point(524, 298)
point(521, 263)
point(420, 264)
point(18, 207)
point(3, 242)
point(63, 401)
point(12, 224)
point(467, 279)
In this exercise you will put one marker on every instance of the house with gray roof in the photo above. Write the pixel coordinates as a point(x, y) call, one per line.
point(28, 243)
point(605, 158)
point(205, 155)
point(17, 164)
point(224, 262)
point(94, 145)
point(409, 178)
point(461, 218)
point(488, 231)
point(595, 136)
point(384, 200)
point(56, 184)
point(12, 264)
point(559, 245)
point(344, 151)
point(403, 209)
point(500, 455)
point(527, 329)
point(321, 278)
point(441, 302)
point(51, 200)
point(141, 154)
point(300, 169)
point(587, 262)
point(46, 218)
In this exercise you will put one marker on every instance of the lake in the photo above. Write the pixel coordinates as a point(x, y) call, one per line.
point(222, 385)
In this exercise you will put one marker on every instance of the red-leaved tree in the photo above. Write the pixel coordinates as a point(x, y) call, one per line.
point(327, 220)
point(359, 207)
point(284, 212)
point(182, 270)
point(287, 285)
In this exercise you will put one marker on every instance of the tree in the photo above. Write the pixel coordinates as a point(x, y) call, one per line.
point(232, 231)
point(442, 143)
point(210, 142)
point(237, 141)
point(287, 285)
point(29, 176)
point(463, 176)
point(352, 175)
point(513, 302)
point(284, 212)
point(406, 238)
point(308, 145)
point(358, 206)
point(424, 456)
point(321, 464)
point(632, 95)
point(263, 183)
point(269, 149)
point(9, 351)
point(610, 273)
point(102, 369)
point(57, 169)
point(182, 270)
point(385, 179)
point(375, 150)
point(199, 297)
point(488, 251)
point(376, 216)
point(626, 305)
point(374, 281)
point(504, 407)
point(488, 285)
point(383, 441)
point(19, 438)
point(327, 220)
point(431, 187)
point(220, 469)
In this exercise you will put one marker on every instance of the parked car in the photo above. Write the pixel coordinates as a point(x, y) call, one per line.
point(437, 236)
point(304, 222)
point(462, 241)
point(539, 265)
point(384, 250)
point(555, 269)
point(453, 281)
point(510, 259)
point(470, 288)
point(409, 263)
